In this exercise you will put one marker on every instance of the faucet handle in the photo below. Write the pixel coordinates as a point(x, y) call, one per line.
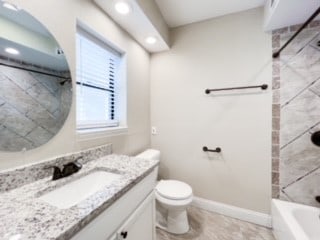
point(71, 168)
point(77, 163)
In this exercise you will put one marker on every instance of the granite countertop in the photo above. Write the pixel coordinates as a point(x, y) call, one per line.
point(24, 216)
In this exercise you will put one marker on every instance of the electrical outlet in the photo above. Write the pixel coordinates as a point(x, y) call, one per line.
point(154, 131)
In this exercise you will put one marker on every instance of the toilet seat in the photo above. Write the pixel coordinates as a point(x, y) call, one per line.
point(173, 203)
point(174, 190)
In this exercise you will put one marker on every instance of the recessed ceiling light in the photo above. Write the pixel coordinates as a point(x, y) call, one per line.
point(12, 51)
point(122, 7)
point(151, 40)
point(10, 6)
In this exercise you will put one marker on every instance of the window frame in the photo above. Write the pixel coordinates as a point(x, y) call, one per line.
point(118, 127)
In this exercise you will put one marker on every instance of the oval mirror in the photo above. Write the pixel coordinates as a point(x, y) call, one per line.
point(35, 92)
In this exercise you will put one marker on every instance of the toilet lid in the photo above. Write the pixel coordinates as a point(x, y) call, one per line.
point(173, 189)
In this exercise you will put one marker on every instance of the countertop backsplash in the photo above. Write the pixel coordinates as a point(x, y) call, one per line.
point(17, 177)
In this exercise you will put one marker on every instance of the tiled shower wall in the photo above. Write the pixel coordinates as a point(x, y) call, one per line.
point(33, 107)
point(296, 115)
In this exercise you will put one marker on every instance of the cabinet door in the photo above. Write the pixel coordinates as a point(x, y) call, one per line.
point(141, 224)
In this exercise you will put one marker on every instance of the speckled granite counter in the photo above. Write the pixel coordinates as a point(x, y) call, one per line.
point(24, 216)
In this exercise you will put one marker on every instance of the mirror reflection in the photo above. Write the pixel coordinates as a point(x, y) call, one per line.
point(35, 92)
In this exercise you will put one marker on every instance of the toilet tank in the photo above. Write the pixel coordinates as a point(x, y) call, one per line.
point(150, 154)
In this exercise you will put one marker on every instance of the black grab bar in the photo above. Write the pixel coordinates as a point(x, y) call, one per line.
point(263, 87)
point(206, 149)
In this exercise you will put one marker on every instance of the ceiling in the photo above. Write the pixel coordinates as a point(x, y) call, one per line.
point(289, 12)
point(24, 19)
point(30, 53)
point(137, 23)
point(181, 12)
point(32, 56)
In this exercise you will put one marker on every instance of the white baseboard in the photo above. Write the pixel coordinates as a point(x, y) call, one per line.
point(234, 212)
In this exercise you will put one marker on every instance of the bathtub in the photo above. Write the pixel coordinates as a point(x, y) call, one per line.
point(291, 221)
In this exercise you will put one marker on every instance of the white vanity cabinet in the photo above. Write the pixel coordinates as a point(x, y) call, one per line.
point(139, 225)
point(131, 217)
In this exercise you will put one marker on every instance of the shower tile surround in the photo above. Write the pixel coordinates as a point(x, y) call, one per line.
point(33, 106)
point(24, 216)
point(296, 115)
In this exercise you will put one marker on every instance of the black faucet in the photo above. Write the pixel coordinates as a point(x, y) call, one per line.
point(68, 169)
point(71, 168)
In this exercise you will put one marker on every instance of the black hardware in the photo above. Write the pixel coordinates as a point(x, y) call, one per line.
point(71, 168)
point(277, 53)
point(317, 199)
point(124, 234)
point(206, 149)
point(68, 169)
point(263, 87)
point(57, 174)
point(35, 71)
point(315, 138)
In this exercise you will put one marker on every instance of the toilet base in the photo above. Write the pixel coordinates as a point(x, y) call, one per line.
point(177, 222)
point(172, 221)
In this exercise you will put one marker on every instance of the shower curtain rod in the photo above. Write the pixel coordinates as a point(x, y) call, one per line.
point(35, 71)
point(277, 53)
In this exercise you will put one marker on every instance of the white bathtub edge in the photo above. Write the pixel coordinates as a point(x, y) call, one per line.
point(280, 228)
point(247, 215)
point(285, 225)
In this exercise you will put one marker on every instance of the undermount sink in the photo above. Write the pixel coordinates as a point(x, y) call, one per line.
point(76, 191)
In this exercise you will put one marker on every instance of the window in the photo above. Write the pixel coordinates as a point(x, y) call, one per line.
point(99, 91)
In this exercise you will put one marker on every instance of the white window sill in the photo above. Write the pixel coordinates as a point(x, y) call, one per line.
point(95, 133)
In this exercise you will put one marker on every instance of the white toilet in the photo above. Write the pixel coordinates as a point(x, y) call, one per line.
point(173, 197)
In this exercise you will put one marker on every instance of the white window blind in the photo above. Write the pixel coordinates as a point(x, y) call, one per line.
point(97, 70)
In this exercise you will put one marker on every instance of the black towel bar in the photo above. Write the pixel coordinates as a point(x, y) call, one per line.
point(263, 87)
point(206, 149)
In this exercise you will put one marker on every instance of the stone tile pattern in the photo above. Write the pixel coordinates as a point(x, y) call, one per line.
point(206, 225)
point(33, 107)
point(296, 115)
point(24, 216)
point(17, 177)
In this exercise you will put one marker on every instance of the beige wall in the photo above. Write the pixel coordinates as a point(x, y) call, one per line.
point(60, 17)
point(224, 52)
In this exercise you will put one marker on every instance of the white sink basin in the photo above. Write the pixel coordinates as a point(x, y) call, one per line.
point(74, 192)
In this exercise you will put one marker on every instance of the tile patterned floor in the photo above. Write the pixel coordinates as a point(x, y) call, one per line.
point(211, 226)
